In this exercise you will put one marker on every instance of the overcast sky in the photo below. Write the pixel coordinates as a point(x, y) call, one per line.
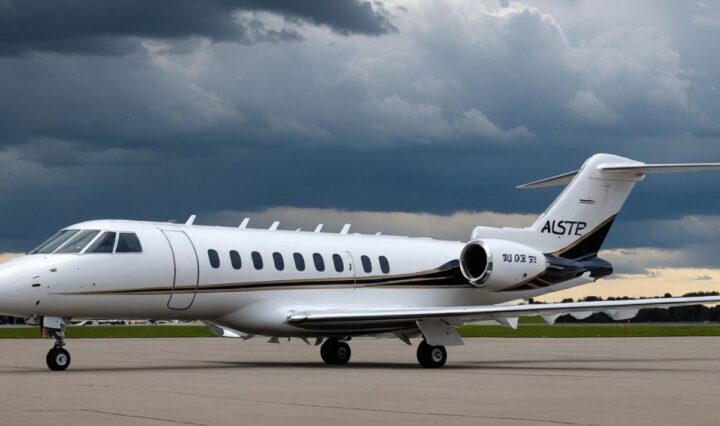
point(414, 117)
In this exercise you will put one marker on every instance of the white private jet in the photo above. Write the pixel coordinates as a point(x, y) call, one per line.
point(245, 282)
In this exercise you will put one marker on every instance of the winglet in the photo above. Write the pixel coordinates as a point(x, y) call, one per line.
point(190, 220)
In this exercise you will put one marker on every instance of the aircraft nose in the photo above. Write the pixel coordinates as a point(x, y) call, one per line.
point(12, 291)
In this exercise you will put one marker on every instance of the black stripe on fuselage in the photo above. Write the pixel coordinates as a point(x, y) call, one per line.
point(447, 275)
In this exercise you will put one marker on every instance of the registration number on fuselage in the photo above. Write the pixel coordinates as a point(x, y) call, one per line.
point(518, 258)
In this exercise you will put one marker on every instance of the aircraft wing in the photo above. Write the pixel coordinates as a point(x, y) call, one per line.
point(617, 309)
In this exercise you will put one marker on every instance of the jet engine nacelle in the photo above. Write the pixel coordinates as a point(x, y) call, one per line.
point(499, 264)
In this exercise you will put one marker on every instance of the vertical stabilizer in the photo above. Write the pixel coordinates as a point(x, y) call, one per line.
point(577, 222)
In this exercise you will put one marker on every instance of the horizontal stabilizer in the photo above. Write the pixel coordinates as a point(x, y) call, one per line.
point(562, 179)
point(634, 168)
point(657, 168)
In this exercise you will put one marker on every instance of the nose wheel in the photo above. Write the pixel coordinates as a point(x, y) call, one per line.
point(58, 358)
point(431, 356)
point(335, 352)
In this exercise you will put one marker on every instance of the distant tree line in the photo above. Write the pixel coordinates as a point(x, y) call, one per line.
point(698, 313)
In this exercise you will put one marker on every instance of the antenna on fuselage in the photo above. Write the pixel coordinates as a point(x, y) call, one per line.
point(274, 226)
point(244, 223)
point(319, 227)
point(345, 229)
point(190, 220)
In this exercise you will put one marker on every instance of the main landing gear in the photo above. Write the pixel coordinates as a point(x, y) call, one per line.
point(335, 352)
point(431, 356)
point(58, 359)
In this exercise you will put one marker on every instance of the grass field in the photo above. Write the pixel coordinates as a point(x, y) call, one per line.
point(592, 330)
point(529, 327)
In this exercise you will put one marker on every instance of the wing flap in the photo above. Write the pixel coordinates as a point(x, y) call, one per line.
point(471, 313)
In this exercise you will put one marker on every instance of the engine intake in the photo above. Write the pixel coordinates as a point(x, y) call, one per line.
point(500, 264)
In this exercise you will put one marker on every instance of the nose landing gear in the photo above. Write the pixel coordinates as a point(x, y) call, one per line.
point(58, 359)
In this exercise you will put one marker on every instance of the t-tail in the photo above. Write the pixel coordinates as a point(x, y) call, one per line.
point(575, 225)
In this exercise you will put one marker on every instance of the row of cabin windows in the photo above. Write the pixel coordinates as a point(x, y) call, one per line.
point(279, 262)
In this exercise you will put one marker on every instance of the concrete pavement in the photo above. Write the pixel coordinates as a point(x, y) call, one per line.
point(631, 381)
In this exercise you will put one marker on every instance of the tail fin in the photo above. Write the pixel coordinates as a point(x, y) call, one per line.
point(575, 225)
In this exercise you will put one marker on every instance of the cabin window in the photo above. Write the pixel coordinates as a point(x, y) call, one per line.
point(214, 258)
point(279, 262)
point(128, 243)
point(299, 261)
point(384, 265)
point(338, 261)
point(367, 266)
point(78, 242)
point(235, 259)
point(319, 262)
point(104, 244)
point(257, 260)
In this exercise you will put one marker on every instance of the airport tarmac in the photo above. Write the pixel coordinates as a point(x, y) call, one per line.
point(608, 381)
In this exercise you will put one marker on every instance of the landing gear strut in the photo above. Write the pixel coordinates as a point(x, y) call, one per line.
point(58, 359)
point(335, 352)
point(431, 356)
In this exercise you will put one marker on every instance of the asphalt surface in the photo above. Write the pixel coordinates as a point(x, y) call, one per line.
point(628, 381)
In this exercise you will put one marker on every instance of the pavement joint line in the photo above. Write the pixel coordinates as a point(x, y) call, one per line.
point(21, 395)
point(110, 413)
point(350, 408)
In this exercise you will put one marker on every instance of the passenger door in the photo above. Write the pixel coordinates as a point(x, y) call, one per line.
point(185, 280)
point(351, 265)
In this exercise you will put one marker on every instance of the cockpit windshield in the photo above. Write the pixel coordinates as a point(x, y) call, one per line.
point(52, 243)
point(78, 242)
point(75, 241)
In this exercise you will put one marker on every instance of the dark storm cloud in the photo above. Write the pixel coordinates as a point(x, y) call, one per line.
point(460, 104)
point(111, 27)
point(344, 17)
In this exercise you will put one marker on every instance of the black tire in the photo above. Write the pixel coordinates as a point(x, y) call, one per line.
point(431, 356)
point(58, 359)
point(334, 352)
point(342, 353)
